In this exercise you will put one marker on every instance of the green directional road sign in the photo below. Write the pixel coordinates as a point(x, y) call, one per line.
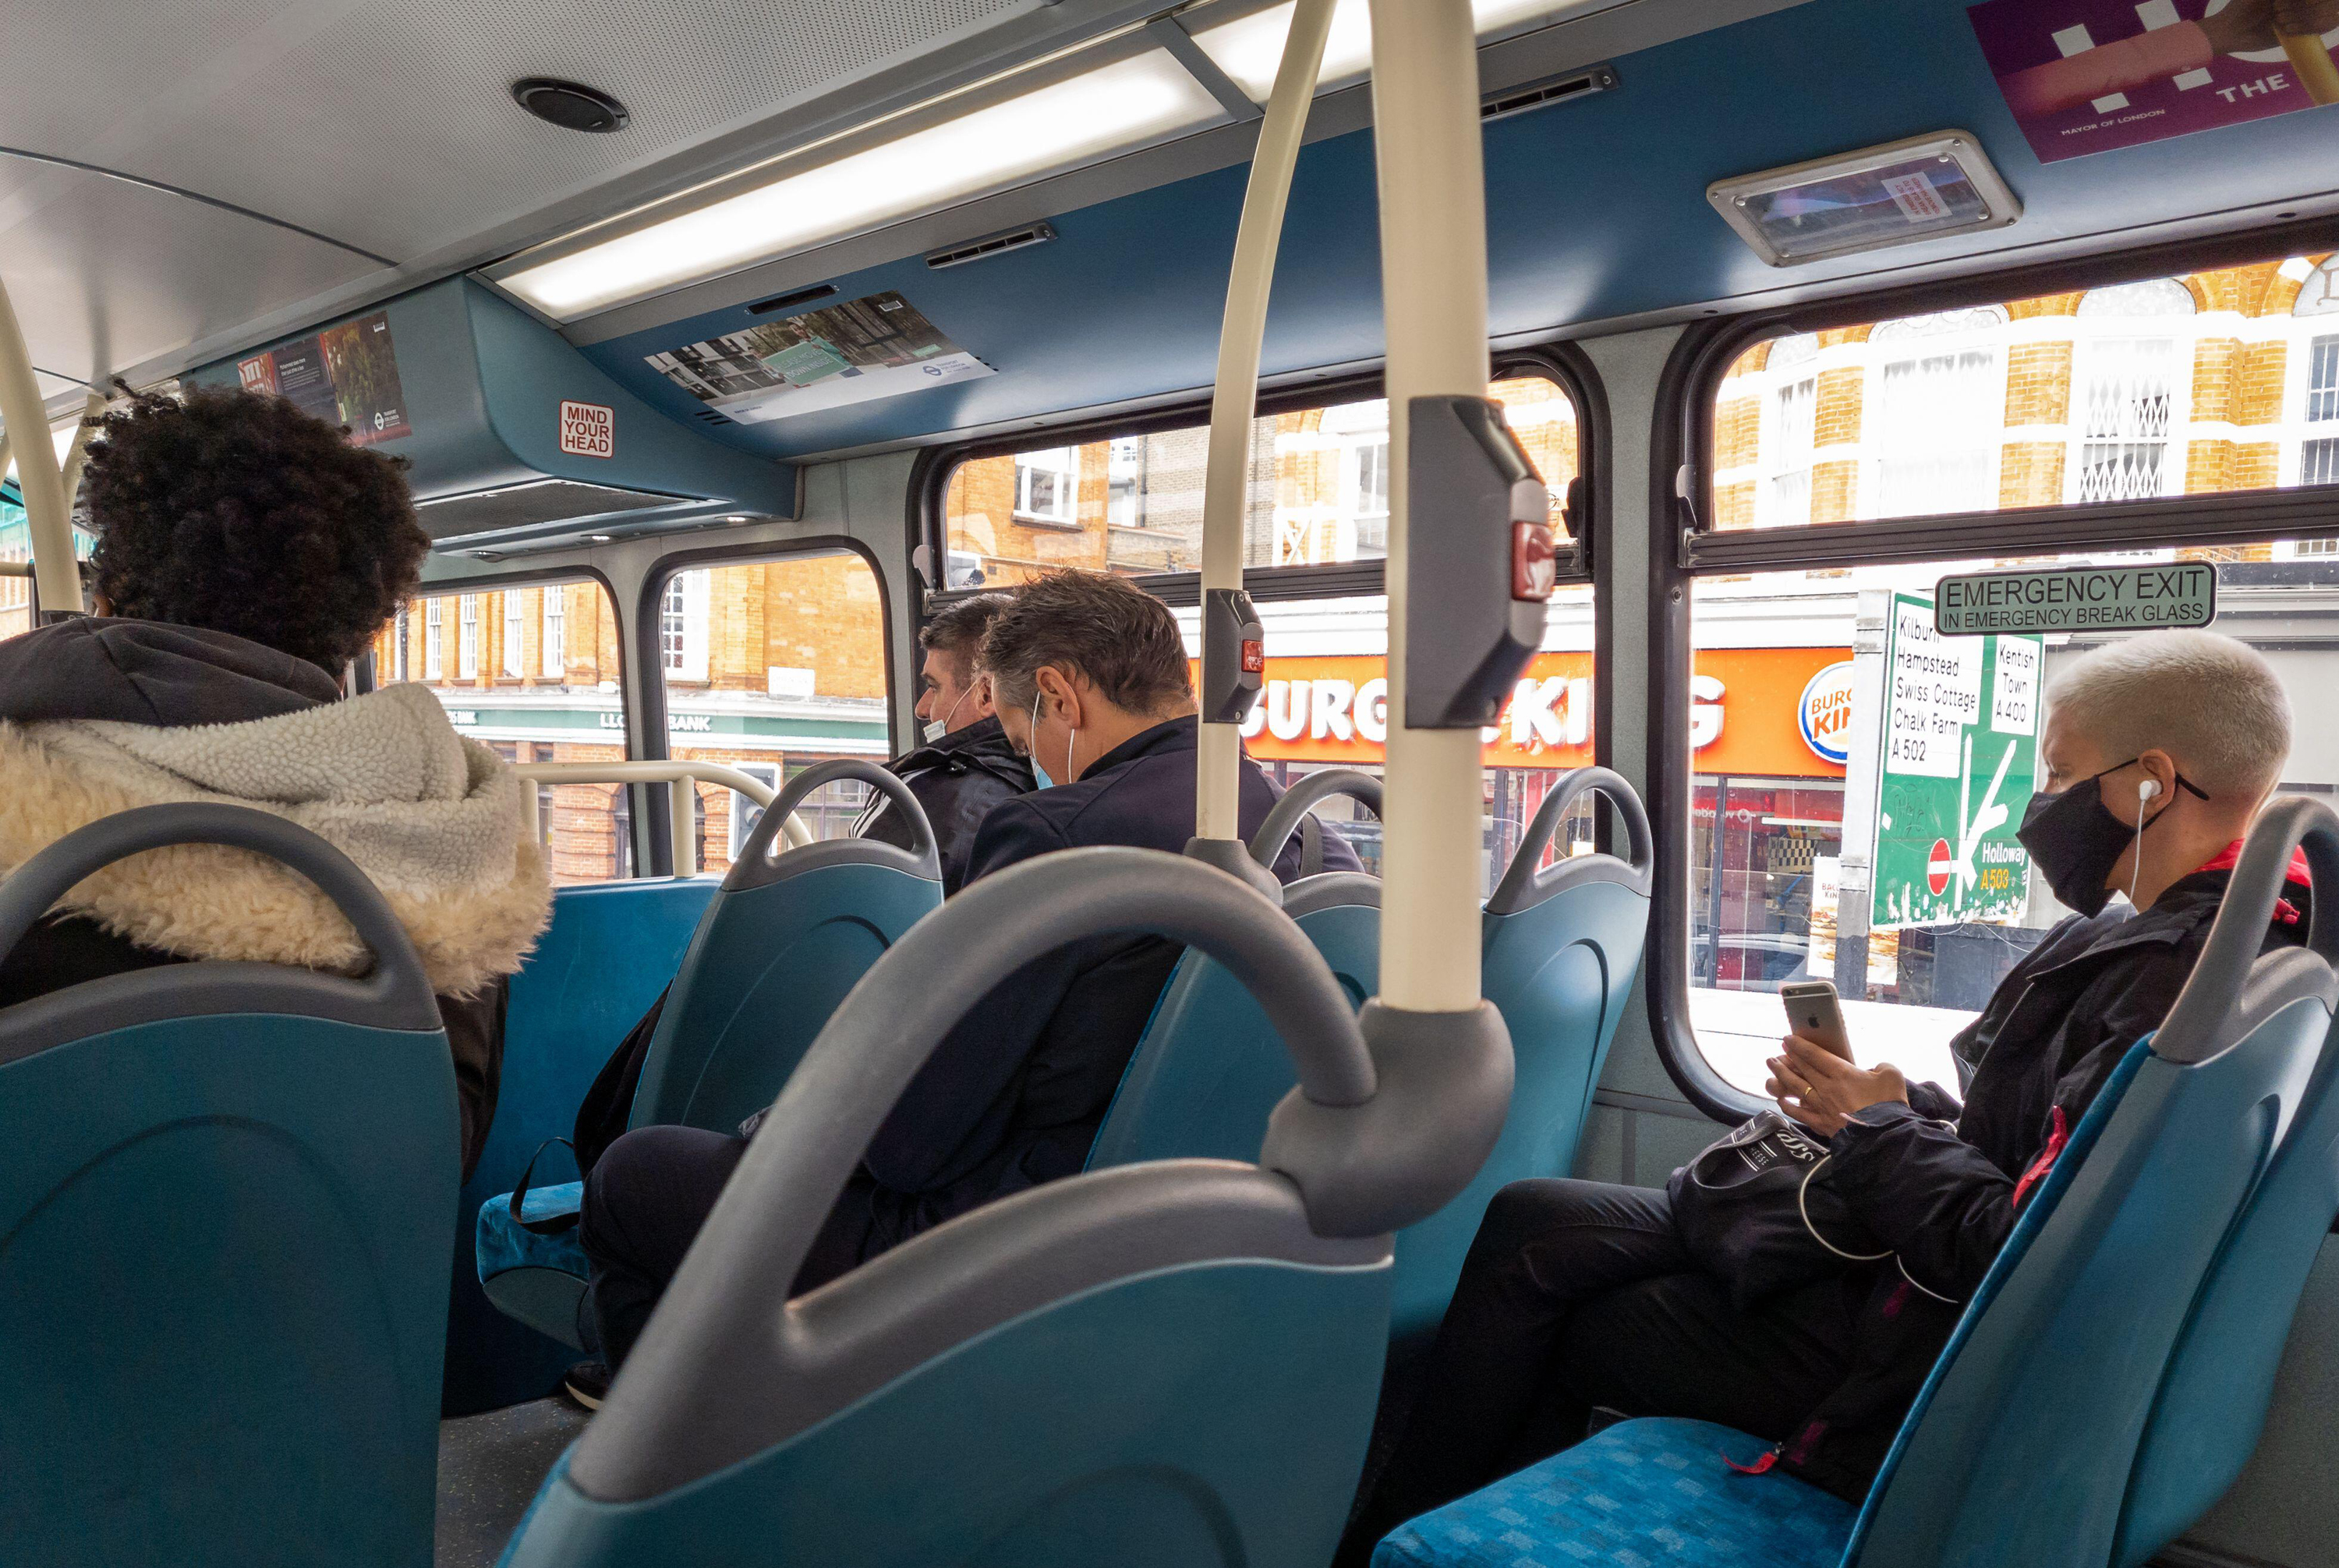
point(1960, 740)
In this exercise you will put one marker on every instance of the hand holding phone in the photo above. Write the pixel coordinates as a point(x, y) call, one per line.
point(1814, 1012)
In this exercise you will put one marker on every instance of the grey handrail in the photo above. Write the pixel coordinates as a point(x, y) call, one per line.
point(1526, 883)
point(1282, 822)
point(923, 846)
point(2232, 987)
point(396, 984)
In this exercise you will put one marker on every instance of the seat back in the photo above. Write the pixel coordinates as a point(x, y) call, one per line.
point(611, 948)
point(2213, 1398)
point(2021, 1447)
point(226, 1216)
point(1165, 1364)
point(1208, 1070)
point(1561, 945)
point(781, 944)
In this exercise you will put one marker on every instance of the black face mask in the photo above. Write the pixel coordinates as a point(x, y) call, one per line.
point(2074, 840)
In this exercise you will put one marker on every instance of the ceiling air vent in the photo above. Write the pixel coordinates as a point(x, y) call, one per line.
point(990, 245)
point(452, 519)
point(788, 302)
point(1534, 95)
point(711, 417)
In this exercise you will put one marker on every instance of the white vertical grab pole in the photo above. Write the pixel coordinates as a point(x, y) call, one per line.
point(682, 823)
point(1234, 401)
point(56, 576)
point(77, 455)
point(1433, 196)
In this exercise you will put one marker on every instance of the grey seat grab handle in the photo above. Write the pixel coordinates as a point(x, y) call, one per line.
point(2204, 1020)
point(396, 981)
point(1524, 881)
point(881, 1035)
point(1284, 820)
point(922, 843)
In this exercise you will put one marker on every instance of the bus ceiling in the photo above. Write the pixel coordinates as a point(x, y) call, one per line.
point(671, 298)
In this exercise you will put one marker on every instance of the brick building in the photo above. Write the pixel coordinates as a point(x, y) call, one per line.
point(1317, 493)
point(769, 667)
point(2216, 382)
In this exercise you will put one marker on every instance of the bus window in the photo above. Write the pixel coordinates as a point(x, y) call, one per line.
point(533, 671)
point(2213, 382)
point(1133, 504)
point(17, 547)
point(1325, 704)
point(771, 667)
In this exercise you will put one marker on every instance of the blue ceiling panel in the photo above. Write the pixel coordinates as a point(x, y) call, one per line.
point(1597, 212)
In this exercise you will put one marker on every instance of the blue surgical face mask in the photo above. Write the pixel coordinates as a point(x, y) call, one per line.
point(1038, 774)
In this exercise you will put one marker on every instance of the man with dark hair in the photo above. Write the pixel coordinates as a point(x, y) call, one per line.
point(965, 766)
point(1091, 682)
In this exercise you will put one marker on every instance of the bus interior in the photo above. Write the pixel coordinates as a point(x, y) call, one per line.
point(726, 342)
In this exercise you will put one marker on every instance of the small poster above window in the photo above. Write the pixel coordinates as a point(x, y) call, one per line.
point(344, 375)
point(880, 346)
point(2089, 75)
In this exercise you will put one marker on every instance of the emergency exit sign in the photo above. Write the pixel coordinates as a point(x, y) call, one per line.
point(2078, 599)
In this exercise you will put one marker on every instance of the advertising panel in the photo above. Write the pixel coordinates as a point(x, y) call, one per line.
point(344, 375)
point(880, 346)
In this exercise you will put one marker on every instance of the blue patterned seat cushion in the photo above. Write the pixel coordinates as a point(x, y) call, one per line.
point(503, 1245)
point(1640, 1495)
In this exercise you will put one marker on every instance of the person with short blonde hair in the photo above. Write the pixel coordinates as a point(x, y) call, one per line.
point(2156, 752)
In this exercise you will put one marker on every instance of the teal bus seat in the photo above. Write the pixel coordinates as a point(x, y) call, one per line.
point(611, 948)
point(228, 1194)
point(2021, 1447)
point(2220, 1380)
point(1561, 948)
point(1167, 1364)
point(781, 942)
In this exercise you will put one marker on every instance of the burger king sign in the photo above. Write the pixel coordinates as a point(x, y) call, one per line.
point(1824, 713)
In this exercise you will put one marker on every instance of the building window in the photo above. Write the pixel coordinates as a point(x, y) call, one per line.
point(1124, 505)
point(556, 633)
point(2126, 403)
point(1938, 415)
point(1790, 434)
point(682, 627)
point(434, 640)
point(2318, 459)
point(467, 638)
point(1048, 486)
point(512, 634)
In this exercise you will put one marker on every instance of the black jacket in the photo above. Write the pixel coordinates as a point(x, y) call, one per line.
point(1944, 1196)
point(1014, 1095)
point(958, 779)
point(148, 673)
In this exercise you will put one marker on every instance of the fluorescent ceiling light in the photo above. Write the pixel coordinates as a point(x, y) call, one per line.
point(1249, 48)
point(1111, 107)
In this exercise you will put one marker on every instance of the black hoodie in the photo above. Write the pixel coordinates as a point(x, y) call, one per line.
point(173, 676)
point(958, 779)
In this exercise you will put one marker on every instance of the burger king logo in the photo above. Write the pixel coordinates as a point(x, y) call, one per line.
point(1824, 714)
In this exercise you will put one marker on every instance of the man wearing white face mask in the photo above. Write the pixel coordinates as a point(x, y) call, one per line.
point(1015, 1093)
point(965, 766)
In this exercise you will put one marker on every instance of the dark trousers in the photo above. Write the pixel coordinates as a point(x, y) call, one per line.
point(1576, 1296)
point(645, 1200)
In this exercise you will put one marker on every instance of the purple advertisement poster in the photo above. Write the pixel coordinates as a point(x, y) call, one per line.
point(2089, 75)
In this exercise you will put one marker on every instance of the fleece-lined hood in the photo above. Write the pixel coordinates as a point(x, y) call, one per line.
point(431, 817)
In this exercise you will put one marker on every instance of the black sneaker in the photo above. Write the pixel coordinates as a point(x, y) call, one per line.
point(588, 1383)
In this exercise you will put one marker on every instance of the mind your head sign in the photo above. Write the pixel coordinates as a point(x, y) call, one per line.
point(2078, 599)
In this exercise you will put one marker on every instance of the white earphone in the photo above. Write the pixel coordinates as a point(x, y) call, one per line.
point(2147, 789)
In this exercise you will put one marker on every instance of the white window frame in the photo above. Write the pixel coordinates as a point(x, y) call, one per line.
point(1774, 460)
point(2089, 357)
point(556, 633)
point(1983, 330)
point(682, 626)
point(434, 639)
point(466, 637)
point(1066, 513)
point(515, 639)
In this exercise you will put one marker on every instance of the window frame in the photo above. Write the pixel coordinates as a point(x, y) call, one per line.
point(1681, 498)
point(692, 643)
point(466, 636)
point(515, 612)
point(647, 650)
point(552, 632)
point(1561, 363)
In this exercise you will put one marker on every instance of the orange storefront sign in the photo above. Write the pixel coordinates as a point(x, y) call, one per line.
point(1744, 712)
